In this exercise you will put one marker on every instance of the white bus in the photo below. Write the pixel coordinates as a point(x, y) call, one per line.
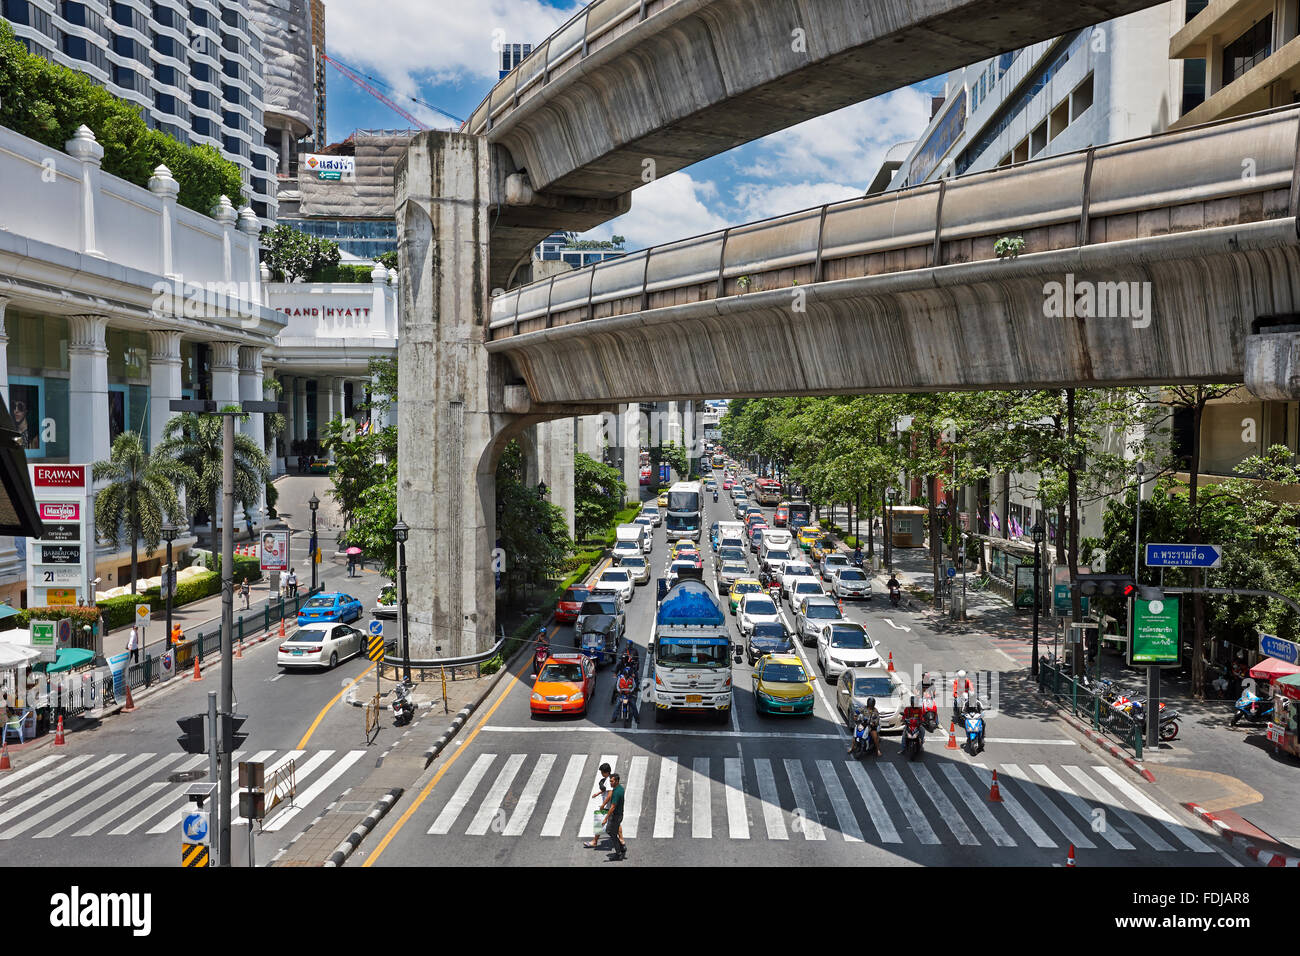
point(685, 511)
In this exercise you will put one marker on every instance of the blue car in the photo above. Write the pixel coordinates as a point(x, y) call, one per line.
point(330, 607)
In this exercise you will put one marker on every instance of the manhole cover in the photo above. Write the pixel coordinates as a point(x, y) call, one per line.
point(187, 776)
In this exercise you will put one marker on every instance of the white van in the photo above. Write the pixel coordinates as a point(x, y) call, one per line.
point(634, 532)
point(731, 529)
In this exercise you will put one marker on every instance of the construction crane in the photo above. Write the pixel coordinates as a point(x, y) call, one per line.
point(361, 81)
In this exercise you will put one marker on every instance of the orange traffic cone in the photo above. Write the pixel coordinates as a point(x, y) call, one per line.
point(197, 673)
point(282, 627)
point(995, 795)
point(239, 652)
point(1069, 860)
point(891, 660)
point(130, 704)
point(58, 733)
point(952, 736)
point(4, 756)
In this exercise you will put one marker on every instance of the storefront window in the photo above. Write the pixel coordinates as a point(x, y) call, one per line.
point(38, 382)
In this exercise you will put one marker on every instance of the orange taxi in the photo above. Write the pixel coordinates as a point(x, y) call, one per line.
point(564, 685)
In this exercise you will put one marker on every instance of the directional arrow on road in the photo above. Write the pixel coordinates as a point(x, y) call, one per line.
point(896, 627)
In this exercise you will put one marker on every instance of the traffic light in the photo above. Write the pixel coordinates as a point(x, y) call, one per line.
point(193, 739)
point(1105, 585)
point(231, 735)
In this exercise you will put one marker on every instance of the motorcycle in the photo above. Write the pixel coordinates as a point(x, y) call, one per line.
point(895, 595)
point(403, 706)
point(974, 731)
point(863, 744)
point(1252, 708)
point(930, 711)
point(539, 658)
point(715, 497)
point(857, 558)
point(624, 712)
point(1168, 719)
point(913, 736)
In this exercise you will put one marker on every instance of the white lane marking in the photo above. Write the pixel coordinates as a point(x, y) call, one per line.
point(806, 819)
point(304, 799)
point(733, 776)
point(636, 778)
point(1079, 806)
point(587, 825)
point(30, 821)
point(156, 763)
point(13, 776)
point(1099, 794)
point(978, 808)
point(275, 678)
point(136, 799)
point(487, 810)
point(1188, 838)
point(848, 823)
point(1071, 833)
point(773, 818)
point(34, 801)
point(578, 729)
point(666, 799)
point(947, 812)
point(564, 796)
point(46, 777)
point(875, 806)
point(447, 818)
point(897, 627)
point(173, 800)
point(701, 809)
point(913, 812)
point(1013, 806)
point(528, 799)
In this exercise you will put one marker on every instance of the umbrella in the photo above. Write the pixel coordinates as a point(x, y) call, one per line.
point(354, 550)
point(17, 655)
point(1272, 668)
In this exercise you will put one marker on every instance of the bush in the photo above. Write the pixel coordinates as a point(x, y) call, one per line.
point(197, 587)
point(120, 611)
point(491, 665)
point(79, 615)
point(47, 102)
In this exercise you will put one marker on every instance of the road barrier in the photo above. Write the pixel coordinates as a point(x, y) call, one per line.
point(1056, 681)
point(372, 717)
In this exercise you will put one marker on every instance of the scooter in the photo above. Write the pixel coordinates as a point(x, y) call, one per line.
point(403, 706)
point(715, 497)
point(1168, 719)
point(539, 658)
point(1252, 708)
point(863, 742)
point(974, 731)
point(624, 711)
point(895, 595)
point(913, 736)
point(930, 711)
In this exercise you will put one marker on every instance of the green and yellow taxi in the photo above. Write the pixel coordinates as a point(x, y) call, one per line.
point(782, 685)
point(740, 588)
point(808, 537)
point(663, 499)
point(820, 548)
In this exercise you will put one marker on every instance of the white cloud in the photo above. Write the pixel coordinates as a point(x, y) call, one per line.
point(763, 200)
point(668, 209)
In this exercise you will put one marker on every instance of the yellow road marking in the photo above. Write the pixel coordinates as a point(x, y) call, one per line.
point(302, 744)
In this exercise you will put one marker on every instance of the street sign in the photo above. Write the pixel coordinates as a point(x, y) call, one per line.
point(1155, 632)
point(377, 627)
point(194, 827)
point(64, 631)
point(42, 633)
point(952, 572)
point(375, 649)
point(1183, 556)
point(142, 614)
point(1283, 650)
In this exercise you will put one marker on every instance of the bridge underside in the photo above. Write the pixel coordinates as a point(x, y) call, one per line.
point(975, 325)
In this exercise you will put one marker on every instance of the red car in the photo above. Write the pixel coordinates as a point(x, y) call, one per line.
point(566, 612)
point(564, 685)
point(728, 485)
point(781, 517)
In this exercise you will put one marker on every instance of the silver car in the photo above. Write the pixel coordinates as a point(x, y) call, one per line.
point(858, 683)
point(320, 645)
point(813, 614)
point(832, 563)
point(851, 583)
point(638, 567)
point(729, 573)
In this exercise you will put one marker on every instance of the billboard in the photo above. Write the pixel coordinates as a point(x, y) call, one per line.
point(60, 565)
point(274, 552)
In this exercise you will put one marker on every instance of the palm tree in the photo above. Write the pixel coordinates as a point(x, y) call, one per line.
point(195, 441)
point(140, 494)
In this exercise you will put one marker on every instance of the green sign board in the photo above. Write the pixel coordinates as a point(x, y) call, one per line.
point(1061, 601)
point(329, 174)
point(1024, 594)
point(43, 633)
point(1155, 632)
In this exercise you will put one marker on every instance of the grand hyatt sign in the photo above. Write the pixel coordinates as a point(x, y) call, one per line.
point(327, 312)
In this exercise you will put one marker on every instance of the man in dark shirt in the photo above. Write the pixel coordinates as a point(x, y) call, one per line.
point(614, 820)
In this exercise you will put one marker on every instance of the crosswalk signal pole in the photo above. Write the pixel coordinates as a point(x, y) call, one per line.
point(212, 765)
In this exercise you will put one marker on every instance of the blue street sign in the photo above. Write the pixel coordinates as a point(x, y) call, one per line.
point(952, 572)
point(1283, 650)
point(377, 628)
point(1183, 556)
point(194, 827)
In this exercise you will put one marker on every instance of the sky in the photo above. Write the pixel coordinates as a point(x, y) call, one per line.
point(444, 53)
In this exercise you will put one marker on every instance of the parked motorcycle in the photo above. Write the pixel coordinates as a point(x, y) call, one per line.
point(974, 724)
point(403, 706)
point(1168, 718)
point(1252, 708)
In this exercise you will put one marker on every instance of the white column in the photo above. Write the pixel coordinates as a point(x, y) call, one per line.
point(250, 389)
point(394, 303)
point(378, 298)
point(250, 227)
point(166, 189)
point(87, 388)
point(300, 410)
point(225, 373)
point(4, 361)
point(290, 416)
point(84, 148)
point(164, 380)
point(224, 213)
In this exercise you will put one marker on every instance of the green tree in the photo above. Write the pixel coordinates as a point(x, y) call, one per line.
point(597, 495)
point(356, 456)
point(533, 532)
point(387, 259)
point(675, 455)
point(196, 442)
point(291, 255)
point(139, 496)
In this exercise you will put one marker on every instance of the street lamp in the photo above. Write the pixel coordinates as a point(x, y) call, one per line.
point(890, 495)
point(541, 489)
point(936, 548)
point(168, 532)
point(313, 503)
point(401, 530)
point(1038, 535)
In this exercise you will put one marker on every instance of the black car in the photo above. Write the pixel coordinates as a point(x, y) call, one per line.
point(769, 638)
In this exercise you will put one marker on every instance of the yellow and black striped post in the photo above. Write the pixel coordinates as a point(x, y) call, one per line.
point(375, 651)
point(194, 854)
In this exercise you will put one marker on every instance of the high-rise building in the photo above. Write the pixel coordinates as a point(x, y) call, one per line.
point(195, 69)
point(294, 77)
point(512, 54)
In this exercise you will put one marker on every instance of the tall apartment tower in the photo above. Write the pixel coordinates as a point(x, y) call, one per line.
point(293, 40)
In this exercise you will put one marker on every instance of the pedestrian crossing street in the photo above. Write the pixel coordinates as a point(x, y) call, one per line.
point(120, 795)
point(885, 802)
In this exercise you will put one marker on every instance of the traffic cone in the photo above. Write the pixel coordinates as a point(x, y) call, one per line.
point(995, 795)
point(197, 674)
point(58, 733)
point(282, 627)
point(130, 704)
point(891, 660)
point(1069, 860)
point(4, 756)
point(239, 652)
point(952, 736)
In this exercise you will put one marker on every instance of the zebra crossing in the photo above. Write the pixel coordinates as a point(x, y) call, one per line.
point(121, 795)
point(883, 802)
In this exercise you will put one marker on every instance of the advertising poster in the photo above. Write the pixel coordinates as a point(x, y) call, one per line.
point(274, 551)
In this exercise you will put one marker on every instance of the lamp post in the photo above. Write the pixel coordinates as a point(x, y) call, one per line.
point(890, 494)
point(1038, 535)
point(936, 549)
point(313, 503)
point(168, 532)
point(401, 530)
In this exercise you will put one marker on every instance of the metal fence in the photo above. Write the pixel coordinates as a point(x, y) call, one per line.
point(1086, 699)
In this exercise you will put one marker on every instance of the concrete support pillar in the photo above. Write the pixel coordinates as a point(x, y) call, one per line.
point(450, 443)
point(300, 410)
point(250, 389)
point(553, 441)
point(164, 380)
point(225, 373)
point(4, 364)
point(287, 383)
point(630, 435)
point(88, 388)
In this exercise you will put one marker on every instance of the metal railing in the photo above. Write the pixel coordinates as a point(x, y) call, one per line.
point(1086, 700)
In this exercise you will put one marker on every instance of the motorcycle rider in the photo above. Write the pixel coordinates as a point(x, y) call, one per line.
point(626, 685)
point(857, 556)
point(895, 589)
point(630, 662)
point(961, 690)
point(543, 651)
point(913, 712)
point(871, 716)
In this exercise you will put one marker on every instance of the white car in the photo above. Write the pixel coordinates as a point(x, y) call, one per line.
point(729, 573)
point(804, 588)
point(851, 583)
point(857, 684)
point(320, 645)
point(795, 571)
point(831, 563)
point(813, 613)
point(649, 524)
point(757, 609)
point(653, 513)
point(638, 567)
point(617, 580)
point(843, 644)
point(677, 566)
point(627, 549)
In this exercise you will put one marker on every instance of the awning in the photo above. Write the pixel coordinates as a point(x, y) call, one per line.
point(7, 611)
point(1270, 668)
point(17, 655)
point(68, 658)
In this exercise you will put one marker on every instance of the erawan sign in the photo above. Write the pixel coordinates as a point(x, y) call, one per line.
point(60, 565)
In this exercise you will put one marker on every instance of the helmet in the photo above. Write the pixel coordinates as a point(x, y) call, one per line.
point(871, 702)
point(913, 700)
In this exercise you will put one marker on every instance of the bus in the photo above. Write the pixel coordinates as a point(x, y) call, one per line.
point(800, 516)
point(719, 462)
point(767, 491)
point(684, 512)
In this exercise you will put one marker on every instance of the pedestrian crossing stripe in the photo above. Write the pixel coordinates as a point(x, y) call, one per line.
point(375, 651)
point(194, 854)
point(793, 799)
